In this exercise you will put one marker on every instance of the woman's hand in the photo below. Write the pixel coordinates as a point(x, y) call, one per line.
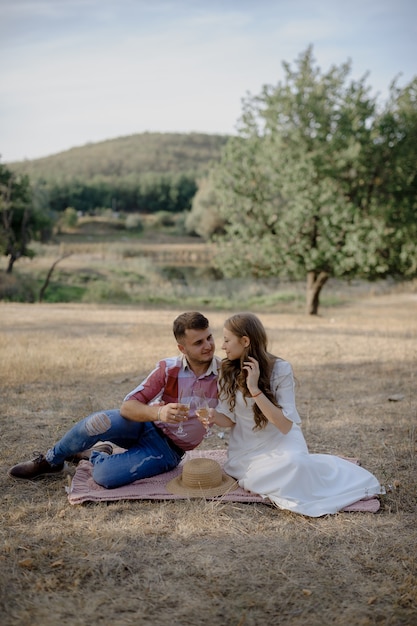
point(251, 366)
point(219, 419)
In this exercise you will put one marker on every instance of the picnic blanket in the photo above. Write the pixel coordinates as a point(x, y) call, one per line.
point(84, 489)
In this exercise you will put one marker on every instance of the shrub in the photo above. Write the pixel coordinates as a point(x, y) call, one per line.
point(134, 222)
point(15, 288)
point(70, 217)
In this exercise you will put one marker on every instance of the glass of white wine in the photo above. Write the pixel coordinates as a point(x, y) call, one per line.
point(202, 411)
point(183, 410)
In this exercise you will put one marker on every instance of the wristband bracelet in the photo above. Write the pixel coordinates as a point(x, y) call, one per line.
point(257, 394)
point(158, 417)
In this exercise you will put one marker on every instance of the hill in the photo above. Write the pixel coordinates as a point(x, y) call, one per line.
point(128, 157)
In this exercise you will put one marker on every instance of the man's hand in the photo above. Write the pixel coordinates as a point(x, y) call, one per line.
point(173, 412)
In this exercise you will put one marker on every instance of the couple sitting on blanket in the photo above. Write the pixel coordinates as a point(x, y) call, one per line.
point(250, 391)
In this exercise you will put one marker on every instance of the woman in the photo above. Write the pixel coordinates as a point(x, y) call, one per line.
point(267, 451)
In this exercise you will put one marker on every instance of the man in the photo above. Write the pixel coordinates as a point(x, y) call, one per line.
point(146, 425)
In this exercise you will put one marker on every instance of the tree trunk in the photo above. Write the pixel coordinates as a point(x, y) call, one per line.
point(10, 264)
point(49, 275)
point(315, 283)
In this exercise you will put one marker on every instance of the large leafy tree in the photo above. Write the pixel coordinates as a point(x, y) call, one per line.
point(21, 217)
point(320, 181)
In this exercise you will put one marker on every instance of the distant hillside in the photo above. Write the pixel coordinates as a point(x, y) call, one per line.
point(128, 157)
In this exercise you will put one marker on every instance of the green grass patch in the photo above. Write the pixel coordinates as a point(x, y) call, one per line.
point(58, 292)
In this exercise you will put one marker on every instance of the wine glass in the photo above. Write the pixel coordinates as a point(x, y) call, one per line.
point(202, 411)
point(183, 410)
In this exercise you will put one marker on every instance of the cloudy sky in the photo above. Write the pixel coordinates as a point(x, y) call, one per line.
point(79, 71)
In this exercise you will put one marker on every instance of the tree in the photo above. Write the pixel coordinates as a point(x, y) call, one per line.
point(319, 182)
point(70, 217)
point(20, 220)
point(204, 219)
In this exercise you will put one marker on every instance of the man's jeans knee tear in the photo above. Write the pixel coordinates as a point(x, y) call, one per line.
point(97, 424)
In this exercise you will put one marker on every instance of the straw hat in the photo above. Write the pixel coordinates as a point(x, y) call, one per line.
point(201, 478)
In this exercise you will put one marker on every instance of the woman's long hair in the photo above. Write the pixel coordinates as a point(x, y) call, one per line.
point(233, 377)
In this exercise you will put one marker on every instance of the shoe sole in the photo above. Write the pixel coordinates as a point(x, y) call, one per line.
point(57, 473)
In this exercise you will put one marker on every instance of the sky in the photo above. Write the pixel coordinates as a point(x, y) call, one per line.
point(74, 72)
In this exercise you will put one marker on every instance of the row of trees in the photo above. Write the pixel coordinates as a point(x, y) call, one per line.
point(321, 181)
point(148, 193)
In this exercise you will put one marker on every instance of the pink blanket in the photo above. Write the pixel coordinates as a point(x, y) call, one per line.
point(83, 488)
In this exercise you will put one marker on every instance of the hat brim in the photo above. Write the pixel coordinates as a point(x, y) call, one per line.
point(176, 487)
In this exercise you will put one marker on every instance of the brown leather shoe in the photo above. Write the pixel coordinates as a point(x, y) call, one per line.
point(39, 466)
point(107, 448)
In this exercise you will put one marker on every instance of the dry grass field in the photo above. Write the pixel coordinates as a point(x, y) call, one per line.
point(198, 563)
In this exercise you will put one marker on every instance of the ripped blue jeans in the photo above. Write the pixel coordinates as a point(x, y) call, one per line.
point(148, 452)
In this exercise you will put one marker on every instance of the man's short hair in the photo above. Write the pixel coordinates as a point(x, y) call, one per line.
point(192, 320)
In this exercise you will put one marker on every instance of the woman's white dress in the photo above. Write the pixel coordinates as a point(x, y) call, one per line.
point(279, 467)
